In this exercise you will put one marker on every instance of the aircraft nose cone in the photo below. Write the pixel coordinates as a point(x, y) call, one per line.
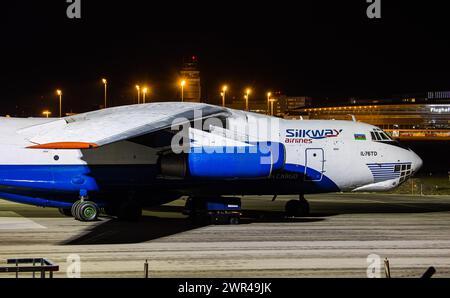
point(416, 162)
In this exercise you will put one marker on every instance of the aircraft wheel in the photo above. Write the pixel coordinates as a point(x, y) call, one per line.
point(87, 211)
point(297, 208)
point(305, 207)
point(73, 210)
point(129, 210)
point(234, 220)
point(65, 212)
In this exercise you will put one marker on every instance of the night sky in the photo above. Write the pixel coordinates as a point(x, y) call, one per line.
point(320, 49)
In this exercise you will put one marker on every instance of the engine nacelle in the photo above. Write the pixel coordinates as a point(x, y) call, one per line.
point(173, 165)
point(254, 161)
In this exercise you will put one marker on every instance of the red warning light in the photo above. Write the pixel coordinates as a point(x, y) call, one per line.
point(193, 58)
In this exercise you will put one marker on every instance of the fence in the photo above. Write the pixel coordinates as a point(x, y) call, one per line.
point(33, 265)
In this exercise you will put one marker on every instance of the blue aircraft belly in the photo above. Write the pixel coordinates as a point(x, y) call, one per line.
point(72, 178)
point(45, 185)
point(59, 185)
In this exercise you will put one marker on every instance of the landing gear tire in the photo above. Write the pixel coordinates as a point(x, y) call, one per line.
point(234, 220)
point(129, 211)
point(73, 210)
point(85, 210)
point(88, 211)
point(297, 208)
point(65, 212)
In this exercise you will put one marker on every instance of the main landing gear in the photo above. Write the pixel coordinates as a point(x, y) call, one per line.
point(298, 207)
point(84, 210)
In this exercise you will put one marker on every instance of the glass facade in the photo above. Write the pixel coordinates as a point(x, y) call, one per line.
point(400, 120)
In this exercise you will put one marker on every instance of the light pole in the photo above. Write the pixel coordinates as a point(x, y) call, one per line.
point(224, 90)
point(269, 94)
point(272, 100)
point(182, 83)
point(59, 93)
point(247, 93)
point(139, 93)
point(144, 91)
point(105, 82)
point(46, 113)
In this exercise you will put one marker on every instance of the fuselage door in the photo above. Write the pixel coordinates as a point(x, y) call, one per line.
point(314, 163)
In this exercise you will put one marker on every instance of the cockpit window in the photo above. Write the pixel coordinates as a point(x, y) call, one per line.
point(379, 135)
point(384, 136)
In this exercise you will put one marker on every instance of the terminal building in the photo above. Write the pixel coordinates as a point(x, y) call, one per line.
point(415, 117)
point(282, 104)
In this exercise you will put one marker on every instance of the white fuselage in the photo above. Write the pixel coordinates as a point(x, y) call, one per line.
point(332, 155)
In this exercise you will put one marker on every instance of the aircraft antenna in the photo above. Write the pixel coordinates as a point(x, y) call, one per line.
point(353, 117)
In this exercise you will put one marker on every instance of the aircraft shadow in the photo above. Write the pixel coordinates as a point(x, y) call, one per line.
point(324, 209)
point(113, 231)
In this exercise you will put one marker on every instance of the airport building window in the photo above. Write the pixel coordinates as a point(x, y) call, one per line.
point(408, 121)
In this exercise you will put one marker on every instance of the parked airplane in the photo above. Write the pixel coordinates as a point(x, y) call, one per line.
point(126, 158)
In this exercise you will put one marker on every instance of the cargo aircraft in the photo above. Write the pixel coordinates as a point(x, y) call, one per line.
point(122, 159)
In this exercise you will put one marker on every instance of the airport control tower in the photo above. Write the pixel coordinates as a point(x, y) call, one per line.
point(191, 75)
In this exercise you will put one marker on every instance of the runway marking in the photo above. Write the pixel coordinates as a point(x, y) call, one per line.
point(10, 220)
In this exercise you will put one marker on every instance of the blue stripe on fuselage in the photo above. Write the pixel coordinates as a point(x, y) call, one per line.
point(48, 177)
point(34, 200)
point(324, 185)
point(34, 184)
point(72, 178)
point(59, 185)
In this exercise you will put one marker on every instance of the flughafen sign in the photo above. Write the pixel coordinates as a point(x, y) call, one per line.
point(440, 109)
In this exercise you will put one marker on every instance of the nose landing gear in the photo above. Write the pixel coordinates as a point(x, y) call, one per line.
point(297, 208)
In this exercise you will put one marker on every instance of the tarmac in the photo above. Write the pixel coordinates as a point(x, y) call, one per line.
point(412, 232)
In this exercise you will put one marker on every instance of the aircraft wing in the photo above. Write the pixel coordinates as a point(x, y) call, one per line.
point(97, 128)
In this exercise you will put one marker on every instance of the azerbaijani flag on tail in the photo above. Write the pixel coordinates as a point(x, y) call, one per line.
point(360, 137)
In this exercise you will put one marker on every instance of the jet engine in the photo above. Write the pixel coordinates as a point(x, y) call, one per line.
point(252, 161)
